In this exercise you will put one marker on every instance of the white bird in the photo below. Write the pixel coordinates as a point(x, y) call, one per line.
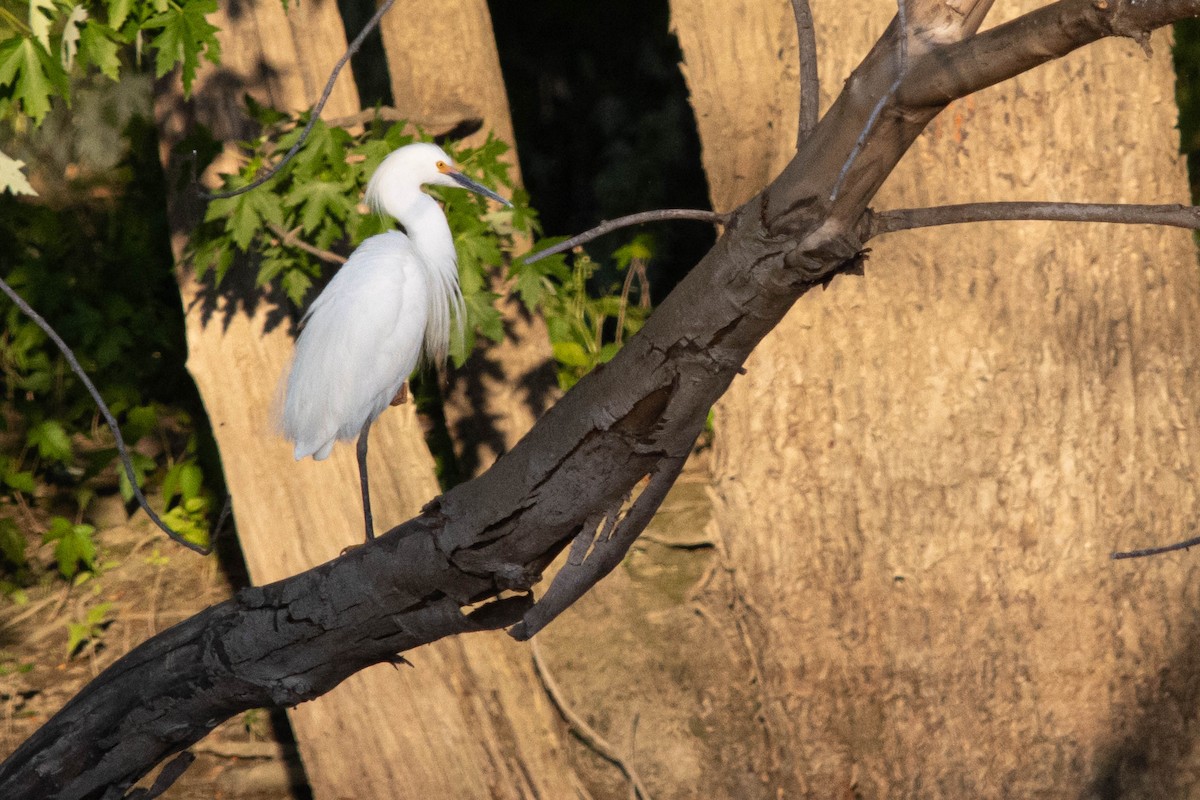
point(390, 303)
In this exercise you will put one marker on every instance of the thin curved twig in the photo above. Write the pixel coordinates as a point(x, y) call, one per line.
point(904, 219)
point(1155, 551)
point(28, 311)
point(314, 115)
point(578, 725)
point(608, 226)
point(810, 82)
point(292, 240)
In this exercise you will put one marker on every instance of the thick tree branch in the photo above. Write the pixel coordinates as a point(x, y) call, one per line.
point(1050, 32)
point(876, 223)
point(439, 574)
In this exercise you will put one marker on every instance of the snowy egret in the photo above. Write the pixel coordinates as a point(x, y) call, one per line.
point(390, 303)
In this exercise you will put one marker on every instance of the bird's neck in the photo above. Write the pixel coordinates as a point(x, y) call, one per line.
point(427, 229)
point(426, 226)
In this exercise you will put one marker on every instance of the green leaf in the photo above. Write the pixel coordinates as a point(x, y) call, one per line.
point(74, 546)
point(642, 248)
point(118, 11)
point(139, 421)
point(33, 73)
point(90, 628)
point(11, 178)
point(97, 49)
point(319, 200)
point(296, 285)
point(572, 354)
point(185, 35)
point(20, 481)
point(51, 440)
point(12, 543)
point(141, 466)
point(245, 214)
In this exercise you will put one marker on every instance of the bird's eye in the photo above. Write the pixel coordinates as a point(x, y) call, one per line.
point(441, 165)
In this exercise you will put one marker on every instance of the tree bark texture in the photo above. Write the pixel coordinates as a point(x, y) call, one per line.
point(470, 722)
point(447, 62)
point(920, 478)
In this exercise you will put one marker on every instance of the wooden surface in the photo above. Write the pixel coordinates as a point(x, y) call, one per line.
point(920, 478)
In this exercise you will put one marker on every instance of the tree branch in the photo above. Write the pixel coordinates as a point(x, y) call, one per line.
point(578, 725)
point(956, 70)
point(109, 419)
point(624, 222)
point(1156, 551)
point(876, 223)
point(810, 82)
point(290, 239)
point(315, 114)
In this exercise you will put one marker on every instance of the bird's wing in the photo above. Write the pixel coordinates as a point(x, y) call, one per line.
point(361, 340)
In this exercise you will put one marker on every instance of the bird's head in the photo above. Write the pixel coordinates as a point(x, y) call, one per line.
point(409, 168)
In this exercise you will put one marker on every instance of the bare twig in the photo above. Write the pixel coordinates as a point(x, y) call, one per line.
point(905, 219)
point(810, 82)
point(1155, 551)
point(609, 226)
point(315, 114)
point(636, 267)
point(111, 421)
point(292, 240)
point(578, 725)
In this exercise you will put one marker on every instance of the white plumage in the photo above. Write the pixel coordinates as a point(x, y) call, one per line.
point(395, 299)
point(355, 352)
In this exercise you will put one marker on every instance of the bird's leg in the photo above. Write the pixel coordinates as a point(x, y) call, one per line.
point(362, 476)
point(401, 396)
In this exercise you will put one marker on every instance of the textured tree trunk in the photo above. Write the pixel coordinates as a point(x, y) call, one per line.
point(470, 720)
point(447, 62)
point(920, 478)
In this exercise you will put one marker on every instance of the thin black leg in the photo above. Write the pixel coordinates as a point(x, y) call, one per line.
point(362, 476)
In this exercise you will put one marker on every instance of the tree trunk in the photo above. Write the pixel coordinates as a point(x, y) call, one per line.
point(447, 62)
point(447, 728)
point(920, 478)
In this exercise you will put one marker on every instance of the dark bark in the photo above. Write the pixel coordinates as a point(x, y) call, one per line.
point(294, 640)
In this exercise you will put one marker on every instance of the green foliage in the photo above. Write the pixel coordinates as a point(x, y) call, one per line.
point(88, 631)
point(73, 546)
point(12, 544)
point(93, 257)
point(44, 43)
point(587, 327)
point(315, 201)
